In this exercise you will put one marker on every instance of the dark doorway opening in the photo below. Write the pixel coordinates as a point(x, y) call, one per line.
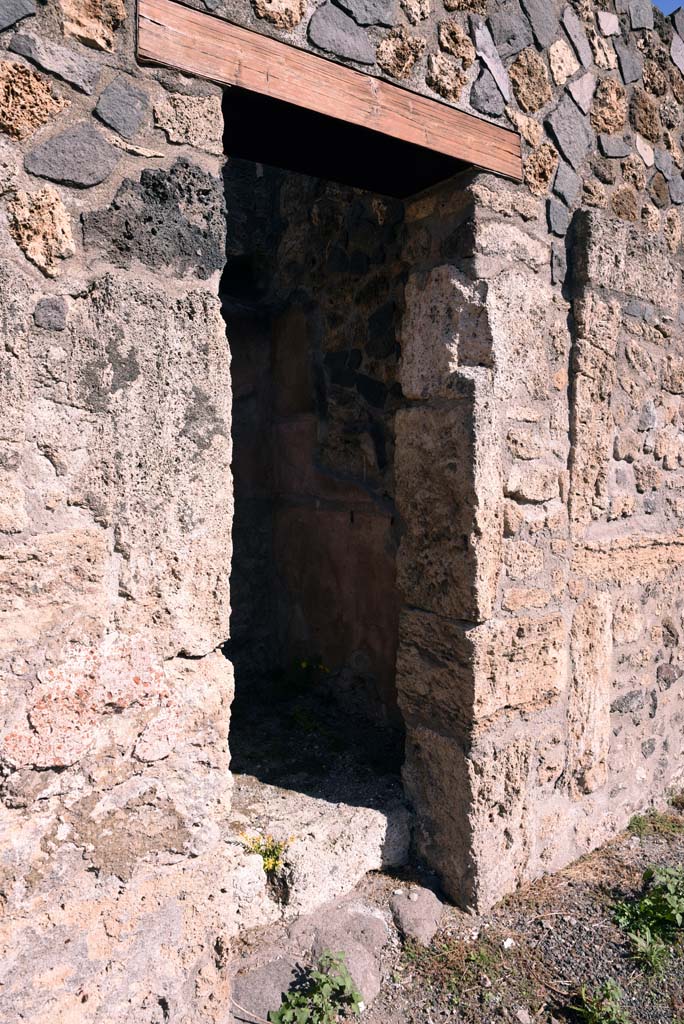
point(312, 296)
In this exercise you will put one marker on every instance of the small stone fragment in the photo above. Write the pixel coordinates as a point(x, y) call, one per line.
point(371, 12)
point(398, 52)
point(655, 79)
point(582, 91)
point(609, 23)
point(540, 168)
point(51, 314)
point(78, 70)
point(93, 22)
point(571, 131)
point(633, 171)
point(40, 225)
point(563, 62)
point(609, 110)
point(485, 96)
point(332, 30)
point(417, 918)
point(530, 81)
point(474, 6)
point(13, 11)
point(630, 60)
point(485, 48)
point(80, 157)
point(645, 116)
point(625, 204)
point(567, 184)
point(26, 100)
point(641, 13)
point(445, 76)
point(659, 191)
point(192, 121)
point(416, 10)
point(578, 36)
point(672, 230)
point(543, 18)
point(453, 40)
point(510, 28)
point(594, 194)
point(123, 107)
point(533, 483)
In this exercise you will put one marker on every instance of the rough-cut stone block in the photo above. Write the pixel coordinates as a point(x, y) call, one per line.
point(530, 80)
point(75, 68)
point(571, 131)
point(93, 22)
point(192, 120)
point(80, 157)
point(582, 91)
point(534, 483)
point(578, 36)
point(373, 12)
point(563, 62)
point(51, 314)
point(641, 13)
point(284, 14)
point(445, 325)
point(485, 48)
point(26, 100)
point(485, 95)
point(417, 914)
point(543, 15)
point(590, 693)
point(567, 184)
point(14, 11)
point(332, 30)
point(630, 60)
point(510, 28)
point(182, 226)
point(609, 23)
point(123, 107)
point(40, 225)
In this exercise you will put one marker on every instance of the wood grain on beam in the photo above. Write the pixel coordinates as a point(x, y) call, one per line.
point(199, 44)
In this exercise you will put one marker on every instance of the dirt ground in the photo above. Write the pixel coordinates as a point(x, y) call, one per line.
point(563, 937)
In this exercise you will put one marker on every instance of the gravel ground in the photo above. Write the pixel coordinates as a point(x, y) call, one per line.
point(563, 936)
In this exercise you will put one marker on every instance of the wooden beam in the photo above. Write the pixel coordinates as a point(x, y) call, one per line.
point(203, 45)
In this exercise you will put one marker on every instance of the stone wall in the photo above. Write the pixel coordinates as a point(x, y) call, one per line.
point(115, 515)
point(540, 668)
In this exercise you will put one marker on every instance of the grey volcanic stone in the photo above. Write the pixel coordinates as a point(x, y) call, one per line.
point(571, 131)
point(485, 48)
point(78, 70)
point(417, 915)
point(615, 147)
point(628, 703)
point(51, 314)
point(647, 417)
point(543, 15)
point(559, 263)
point(677, 190)
point(485, 95)
point(641, 13)
point(123, 107)
point(630, 60)
point(609, 23)
point(677, 51)
point(664, 163)
point(559, 217)
point(261, 990)
point(679, 20)
point(510, 28)
point(372, 12)
point(169, 218)
point(81, 157)
point(567, 184)
point(332, 30)
point(13, 11)
point(578, 36)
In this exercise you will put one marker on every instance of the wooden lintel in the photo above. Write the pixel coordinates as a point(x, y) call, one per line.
point(203, 45)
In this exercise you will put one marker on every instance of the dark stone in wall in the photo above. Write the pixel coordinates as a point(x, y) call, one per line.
point(578, 36)
point(76, 69)
point(543, 15)
point(81, 157)
point(567, 184)
point(571, 132)
point(13, 11)
point(169, 218)
point(332, 30)
point(614, 146)
point(630, 60)
point(510, 28)
point(485, 95)
point(51, 314)
point(123, 107)
point(372, 12)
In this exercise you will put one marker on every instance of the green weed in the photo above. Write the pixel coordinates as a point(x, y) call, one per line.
point(603, 1006)
point(327, 995)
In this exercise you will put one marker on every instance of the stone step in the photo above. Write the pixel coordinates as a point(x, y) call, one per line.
point(335, 834)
